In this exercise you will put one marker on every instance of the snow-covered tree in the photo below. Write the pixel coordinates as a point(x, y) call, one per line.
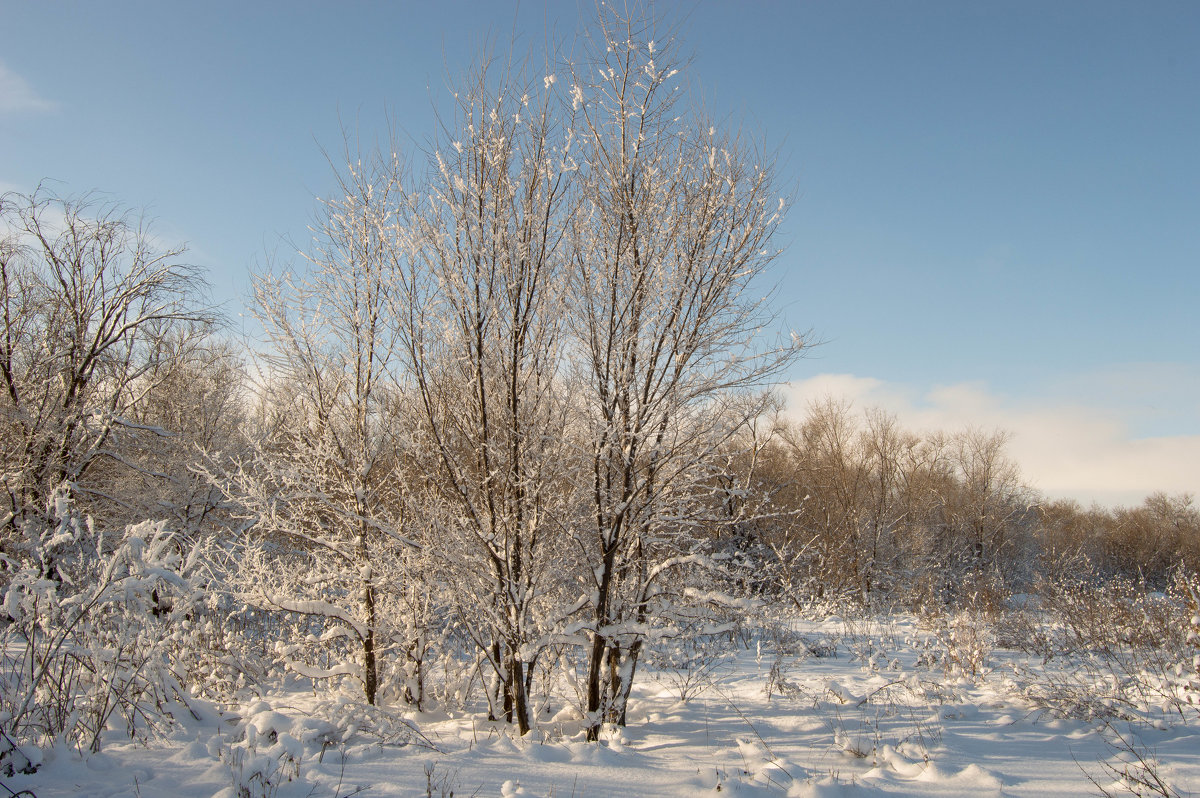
point(96, 318)
point(667, 317)
point(320, 490)
point(481, 316)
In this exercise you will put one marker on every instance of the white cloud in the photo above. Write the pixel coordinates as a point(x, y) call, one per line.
point(17, 96)
point(1079, 447)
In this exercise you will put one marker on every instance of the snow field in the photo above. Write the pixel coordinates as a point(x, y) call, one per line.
point(839, 707)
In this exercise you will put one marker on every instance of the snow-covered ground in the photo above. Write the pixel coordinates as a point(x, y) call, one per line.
point(860, 708)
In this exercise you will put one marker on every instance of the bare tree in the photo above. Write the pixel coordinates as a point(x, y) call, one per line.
point(751, 516)
point(97, 317)
point(987, 507)
point(323, 476)
point(1152, 538)
point(891, 454)
point(481, 318)
point(835, 471)
point(673, 234)
point(195, 409)
point(97, 320)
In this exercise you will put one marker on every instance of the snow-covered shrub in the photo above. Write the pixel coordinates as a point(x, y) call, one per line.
point(348, 717)
point(869, 637)
point(452, 676)
point(265, 752)
point(1098, 616)
point(88, 622)
point(219, 651)
point(1135, 667)
point(1191, 685)
point(980, 616)
point(690, 663)
point(965, 641)
point(307, 612)
point(1023, 627)
point(425, 644)
point(1133, 653)
point(777, 637)
point(268, 751)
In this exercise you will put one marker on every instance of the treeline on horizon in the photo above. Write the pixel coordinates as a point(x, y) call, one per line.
point(863, 507)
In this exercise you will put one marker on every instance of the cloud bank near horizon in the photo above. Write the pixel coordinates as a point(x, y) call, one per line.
point(1083, 449)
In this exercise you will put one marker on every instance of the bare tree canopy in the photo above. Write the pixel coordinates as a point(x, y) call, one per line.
point(97, 314)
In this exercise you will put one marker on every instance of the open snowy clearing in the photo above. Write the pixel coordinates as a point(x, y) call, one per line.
point(851, 709)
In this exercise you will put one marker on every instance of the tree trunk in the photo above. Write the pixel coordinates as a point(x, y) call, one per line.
point(519, 698)
point(370, 674)
point(595, 658)
point(598, 651)
point(628, 670)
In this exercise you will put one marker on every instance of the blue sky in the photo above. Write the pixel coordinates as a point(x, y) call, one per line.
point(996, 205)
